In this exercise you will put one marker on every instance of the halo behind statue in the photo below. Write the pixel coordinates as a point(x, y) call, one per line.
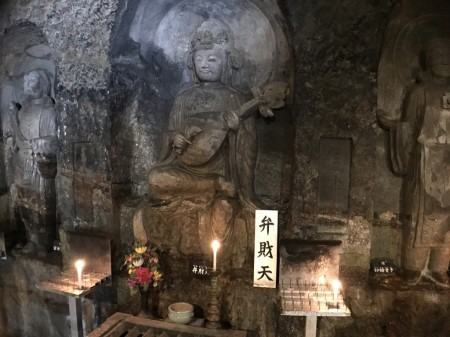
point(411, 41)
point(167, 28)
point(400, 63)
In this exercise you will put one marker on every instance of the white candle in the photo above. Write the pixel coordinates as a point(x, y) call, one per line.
point(336, 284)
point(215, 247)
point(321, 282)
point(79, 264)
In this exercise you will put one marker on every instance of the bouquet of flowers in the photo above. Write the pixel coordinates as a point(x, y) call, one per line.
point(143, 266)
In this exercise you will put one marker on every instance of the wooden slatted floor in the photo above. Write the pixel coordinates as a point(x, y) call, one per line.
point(125, 325)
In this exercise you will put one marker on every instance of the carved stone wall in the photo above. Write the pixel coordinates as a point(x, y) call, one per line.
point(112, 109)
point(336, 51)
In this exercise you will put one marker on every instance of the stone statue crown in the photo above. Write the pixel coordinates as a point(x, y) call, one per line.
point(206, 40)
point(212, 34)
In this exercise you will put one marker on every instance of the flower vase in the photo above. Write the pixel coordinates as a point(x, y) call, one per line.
point(145, 308)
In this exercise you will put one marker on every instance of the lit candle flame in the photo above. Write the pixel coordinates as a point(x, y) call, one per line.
point(215, 246)
point(336, 284)
point(79, 264)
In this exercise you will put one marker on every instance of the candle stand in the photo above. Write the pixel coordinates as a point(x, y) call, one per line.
point(66, 284)
point(311, 300)
point(95, 253)
point(213, 310)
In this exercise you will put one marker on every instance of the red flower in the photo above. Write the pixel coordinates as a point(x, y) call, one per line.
point(143, 275)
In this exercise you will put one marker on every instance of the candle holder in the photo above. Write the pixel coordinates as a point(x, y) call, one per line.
point(213, 310)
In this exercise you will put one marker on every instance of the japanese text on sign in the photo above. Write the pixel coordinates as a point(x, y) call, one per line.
point(266, 248)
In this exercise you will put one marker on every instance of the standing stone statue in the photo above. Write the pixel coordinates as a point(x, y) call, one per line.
point(420, 152)
point(35, 147)
point(210, 148)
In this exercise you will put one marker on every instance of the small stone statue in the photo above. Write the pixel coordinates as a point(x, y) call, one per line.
point(35, 148)
point(420, 152)
point(210, 148)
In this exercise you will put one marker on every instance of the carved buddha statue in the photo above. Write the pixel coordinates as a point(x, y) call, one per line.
point(35, 145)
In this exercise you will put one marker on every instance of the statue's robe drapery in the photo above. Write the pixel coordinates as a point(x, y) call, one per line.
point(42, 134)
point(194, 213)
point(235, 160)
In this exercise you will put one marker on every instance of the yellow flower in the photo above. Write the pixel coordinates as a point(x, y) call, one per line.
point(156, 275)
point(141, 249)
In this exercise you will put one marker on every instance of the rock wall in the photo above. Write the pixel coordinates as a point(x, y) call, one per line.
point(78, 35)
point(336, 50)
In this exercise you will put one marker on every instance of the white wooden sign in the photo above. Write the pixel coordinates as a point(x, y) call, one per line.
point(266, 249)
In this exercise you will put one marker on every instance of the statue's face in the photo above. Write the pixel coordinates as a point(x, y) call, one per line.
point(32, 85)
point(209, 65)
point(438, 59)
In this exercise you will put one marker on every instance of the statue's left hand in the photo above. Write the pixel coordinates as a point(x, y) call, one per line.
point(180, 143)
point(265, 111)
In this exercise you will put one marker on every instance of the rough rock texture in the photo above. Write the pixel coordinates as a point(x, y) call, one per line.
point(79, 33)
point(336, 50)
point(337, 43)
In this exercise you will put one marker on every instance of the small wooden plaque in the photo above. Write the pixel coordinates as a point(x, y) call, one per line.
point(334, 174)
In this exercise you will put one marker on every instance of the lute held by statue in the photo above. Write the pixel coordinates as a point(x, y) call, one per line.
point(206, 131)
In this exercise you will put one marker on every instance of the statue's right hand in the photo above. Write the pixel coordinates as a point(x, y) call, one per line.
point(386, 120)
point(12, 106)
point(180, 143)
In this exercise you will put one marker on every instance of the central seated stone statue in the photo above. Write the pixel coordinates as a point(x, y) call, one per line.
point(202, 187)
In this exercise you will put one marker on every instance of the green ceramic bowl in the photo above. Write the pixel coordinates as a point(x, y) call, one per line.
point(181, 312)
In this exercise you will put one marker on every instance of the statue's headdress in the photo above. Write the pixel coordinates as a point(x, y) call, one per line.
point(212, 34)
